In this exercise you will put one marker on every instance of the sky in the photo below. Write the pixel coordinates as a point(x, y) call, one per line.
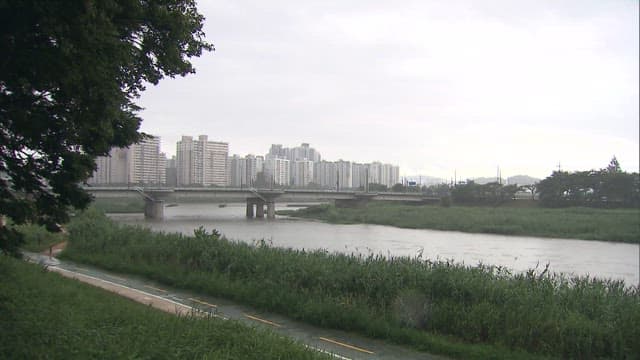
point(436, 87)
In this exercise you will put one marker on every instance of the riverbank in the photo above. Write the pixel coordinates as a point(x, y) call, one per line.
point(124, 205)
point(466, 312)
point(47, 316)
point(619, 225)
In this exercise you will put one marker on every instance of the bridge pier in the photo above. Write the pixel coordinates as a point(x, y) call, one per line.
point(260, 209)
point(153, 209)
point(271, 210)
point(250, 208)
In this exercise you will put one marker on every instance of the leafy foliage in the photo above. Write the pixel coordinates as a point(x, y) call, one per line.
point(407, 300)
point(69, 74)
point(608, 187)
point(483, 194)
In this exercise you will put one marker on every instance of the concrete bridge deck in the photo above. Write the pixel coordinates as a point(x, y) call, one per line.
point(155, 197)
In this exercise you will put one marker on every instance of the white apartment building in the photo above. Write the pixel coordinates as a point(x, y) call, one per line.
point(277, 170)
point(254, 165)
point(201, 162)
point(344, 171)
point(325, 174)
point(139, 164)
point(385, 174)
point(302, 172)
point(237, 171)
point(146, 164)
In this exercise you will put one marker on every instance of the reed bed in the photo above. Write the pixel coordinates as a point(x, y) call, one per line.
point(438, 306)
point(621, 225)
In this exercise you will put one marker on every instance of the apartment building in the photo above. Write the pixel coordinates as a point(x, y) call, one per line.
point(140, 163)
point(201, 162)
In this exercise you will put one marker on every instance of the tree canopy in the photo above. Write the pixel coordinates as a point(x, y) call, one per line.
point(70, 73)
point(607, 187)
point(483, 194)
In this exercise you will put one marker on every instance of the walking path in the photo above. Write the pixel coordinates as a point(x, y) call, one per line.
point(339, 344)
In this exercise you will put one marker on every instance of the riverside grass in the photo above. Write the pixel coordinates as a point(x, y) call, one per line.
point(620, 225)
point(37, 238)
point(46, 316)
point(480, 312)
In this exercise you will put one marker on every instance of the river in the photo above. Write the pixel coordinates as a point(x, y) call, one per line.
point(579, 257)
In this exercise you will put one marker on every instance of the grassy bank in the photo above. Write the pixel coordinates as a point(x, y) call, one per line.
point(622, 225)
point(46, 316)
point(467, 312)
point(119, 205)
point(37, 238)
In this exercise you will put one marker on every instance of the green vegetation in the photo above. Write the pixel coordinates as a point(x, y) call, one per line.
point(490, 194)
point(37, 238)
point(119, 205)
point(608, 188)
point(478, 312)
point(70, 77)
point(46, 316)
point(621, 225)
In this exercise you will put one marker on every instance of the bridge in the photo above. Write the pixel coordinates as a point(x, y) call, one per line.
point(257, 199)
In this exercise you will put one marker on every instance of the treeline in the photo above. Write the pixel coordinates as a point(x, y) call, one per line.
point(608, 187)
point(471, 193)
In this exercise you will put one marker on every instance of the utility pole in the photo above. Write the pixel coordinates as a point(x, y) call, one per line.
point(366, 180)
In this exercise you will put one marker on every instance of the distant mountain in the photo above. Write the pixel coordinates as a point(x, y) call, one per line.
point(426, 180)
point(517, 179)
point(431, 180)
point(485, 180)
point(522, 180)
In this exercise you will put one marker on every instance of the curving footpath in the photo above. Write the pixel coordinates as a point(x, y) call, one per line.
point(338, 344)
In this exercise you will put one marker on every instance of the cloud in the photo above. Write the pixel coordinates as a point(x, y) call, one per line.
point(430, 85)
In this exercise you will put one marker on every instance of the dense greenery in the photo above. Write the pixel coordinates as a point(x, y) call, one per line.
point(37, 238)
point(119, 205)
point(69, 76)
point(608, 187)
point(81, 322)
point(430, 305)
point(621, 225)
point(483, 194)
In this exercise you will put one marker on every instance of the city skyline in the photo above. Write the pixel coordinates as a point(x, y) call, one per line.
point(202, 162)
point(434, 87)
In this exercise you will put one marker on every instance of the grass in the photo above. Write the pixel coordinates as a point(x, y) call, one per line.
point(46, 316)
point(480, 312)
point(37, 238)
point(621, 225)
point(119, 205)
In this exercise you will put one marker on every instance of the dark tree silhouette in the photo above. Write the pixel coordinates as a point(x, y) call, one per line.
point(70, 71)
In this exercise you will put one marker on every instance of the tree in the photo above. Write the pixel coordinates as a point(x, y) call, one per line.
point(614, 166)
point(69, 74)
point(398, 187)
point(607, 187)
point(532, 188)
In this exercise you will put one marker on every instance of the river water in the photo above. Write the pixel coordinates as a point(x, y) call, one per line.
point(519, 253)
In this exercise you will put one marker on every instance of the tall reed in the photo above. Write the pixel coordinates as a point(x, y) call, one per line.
point(621, 225)
point(431, 305)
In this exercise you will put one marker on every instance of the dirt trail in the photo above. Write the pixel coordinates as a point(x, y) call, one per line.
point(55, 249)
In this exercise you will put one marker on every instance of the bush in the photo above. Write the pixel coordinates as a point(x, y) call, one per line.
point(401, 299)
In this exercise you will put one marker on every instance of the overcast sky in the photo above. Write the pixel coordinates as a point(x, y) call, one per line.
point(432, 86)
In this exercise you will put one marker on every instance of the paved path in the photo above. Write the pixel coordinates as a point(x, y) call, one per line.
point(339, 344)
